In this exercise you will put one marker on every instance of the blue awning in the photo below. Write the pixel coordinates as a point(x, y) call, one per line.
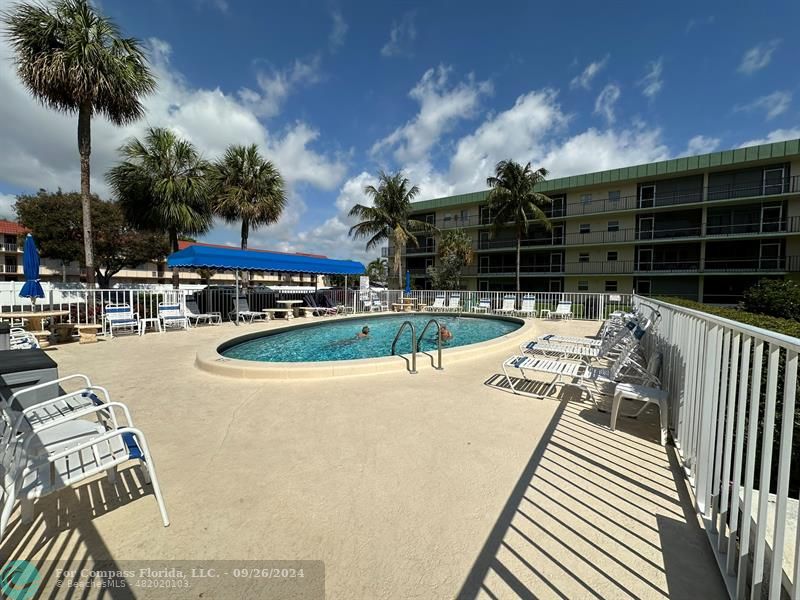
point(214, 257)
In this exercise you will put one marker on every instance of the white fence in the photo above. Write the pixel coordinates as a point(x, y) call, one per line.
point(733, 416)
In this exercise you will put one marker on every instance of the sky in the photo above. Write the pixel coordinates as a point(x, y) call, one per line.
point(335, 91)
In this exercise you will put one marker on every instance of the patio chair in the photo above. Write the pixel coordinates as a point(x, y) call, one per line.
point(484, 306)
point(563, 310)
point(319, 310)
point(528, 308)
point(171, 315)
point(245, 314)
point(454, 303)
point(377, 304)
point(438, 303)
point(627, 335)
point(19, 339)
point(120, 316)
point(193, 314)
point(509, 305)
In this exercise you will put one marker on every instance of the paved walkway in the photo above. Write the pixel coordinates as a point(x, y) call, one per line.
point(437, 485)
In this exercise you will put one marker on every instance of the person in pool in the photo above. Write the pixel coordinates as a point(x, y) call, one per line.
point(364, 332)
point(446, 334)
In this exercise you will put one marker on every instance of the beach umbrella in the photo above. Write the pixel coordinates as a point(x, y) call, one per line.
point(408, 282)
point(30, 264)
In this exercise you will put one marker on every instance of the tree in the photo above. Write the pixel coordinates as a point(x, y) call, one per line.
point(455, 252)
point(162, 186)
point(55, 220)
point(774, 297)
point(378, 270)
point(74, 60)
point(387, 218)
point(513, 199)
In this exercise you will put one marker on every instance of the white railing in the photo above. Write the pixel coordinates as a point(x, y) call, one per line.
point(734, 419)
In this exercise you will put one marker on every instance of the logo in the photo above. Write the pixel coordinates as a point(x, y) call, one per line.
point(19, 580)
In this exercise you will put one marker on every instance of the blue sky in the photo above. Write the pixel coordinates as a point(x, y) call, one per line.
point(334, 91)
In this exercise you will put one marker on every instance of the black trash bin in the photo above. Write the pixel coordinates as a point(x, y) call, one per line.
point(24, 368)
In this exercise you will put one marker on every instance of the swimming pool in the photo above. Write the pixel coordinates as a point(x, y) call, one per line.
point(336, 340)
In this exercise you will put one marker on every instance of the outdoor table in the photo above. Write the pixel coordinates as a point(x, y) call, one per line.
point(35, 318)
point(289, 304)
point(407, 303)
point(154, 321)
point(87, 332)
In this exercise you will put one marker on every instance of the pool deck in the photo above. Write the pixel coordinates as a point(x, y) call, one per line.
point(435, 485)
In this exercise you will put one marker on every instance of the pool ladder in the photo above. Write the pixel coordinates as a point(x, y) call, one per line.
point(415, 341)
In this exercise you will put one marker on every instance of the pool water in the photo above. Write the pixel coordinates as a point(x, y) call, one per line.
point(336, 340)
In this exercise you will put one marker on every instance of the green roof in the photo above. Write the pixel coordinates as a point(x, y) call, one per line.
point(669, 168)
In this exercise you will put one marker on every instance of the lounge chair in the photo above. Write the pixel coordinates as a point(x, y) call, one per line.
point(484, 306)
point(120, 316)
point(245, 314)
point(528, 308)
point(563, 310)
point(193, 314)
point(319, 310)
point(509, 305)
point(377, 304)
point(438, 303)
point(20, 339)
point(454, 303)
point(171, 315)
point(627, 335)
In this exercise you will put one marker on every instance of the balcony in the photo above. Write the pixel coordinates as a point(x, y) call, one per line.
point(426, 249)
point(10, 268)
point(11, 247)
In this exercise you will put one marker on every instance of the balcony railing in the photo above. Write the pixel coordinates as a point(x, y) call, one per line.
point(423, 249)
point(10, 247)
point(10, 269)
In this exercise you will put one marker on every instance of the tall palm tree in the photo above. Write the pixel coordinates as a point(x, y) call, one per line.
point(161, 184)
point(387, 218)
point(74, 60)
point(513, 199)
point(245, 187)
point(378, 270)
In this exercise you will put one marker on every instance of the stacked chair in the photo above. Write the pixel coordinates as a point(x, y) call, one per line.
point(60, 442)
point(593, 365)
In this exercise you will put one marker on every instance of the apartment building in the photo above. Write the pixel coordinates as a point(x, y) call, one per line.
point(12, 234)
point(703, 227)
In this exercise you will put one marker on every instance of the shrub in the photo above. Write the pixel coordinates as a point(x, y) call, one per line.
point(774, 297)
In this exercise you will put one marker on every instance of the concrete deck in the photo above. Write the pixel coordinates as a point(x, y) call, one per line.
point(436, 485)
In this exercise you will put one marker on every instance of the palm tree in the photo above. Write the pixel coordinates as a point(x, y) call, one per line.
point(378, 270)
point(513, 199)
point(74, 60)
point(456, 246)
point(245, 187)
point(161, 184)
point(387, 218)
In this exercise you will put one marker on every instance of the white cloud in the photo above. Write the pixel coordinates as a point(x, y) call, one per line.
point(772, 105)
point(276, 85)
point(352, 191)
point(652, 83)
point(401, 36)
point(584, 80)
point(701, 144)
point(338, 32)
point(441, 106)
point(758, 57)
point(604, 104)
point(695, 22)
point(777, 135)
point(7, 202)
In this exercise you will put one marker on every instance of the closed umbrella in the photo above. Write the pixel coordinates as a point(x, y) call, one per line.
point(408, 282)
point(30, 264)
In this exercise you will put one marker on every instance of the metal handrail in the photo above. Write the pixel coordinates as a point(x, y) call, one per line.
point(438, 341)
point(413, 366)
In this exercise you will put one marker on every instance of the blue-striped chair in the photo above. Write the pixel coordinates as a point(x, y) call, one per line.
point(120, 316)
point(172, 315)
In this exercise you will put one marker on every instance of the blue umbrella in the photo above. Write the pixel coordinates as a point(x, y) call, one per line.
point(408, 282)
point(30, 264)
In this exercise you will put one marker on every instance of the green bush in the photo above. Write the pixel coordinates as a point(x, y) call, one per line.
point(773, 297)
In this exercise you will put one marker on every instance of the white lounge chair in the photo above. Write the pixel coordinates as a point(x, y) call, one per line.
point(563, 310)
point(454, 303)
point(19, 339)
point(528, 308)
point(171, 315)
point(244, 312)
point(438, 303)
point(120, 316)
point(484, 306)
point(509, 305)
point(611, 343)
point(193, 314)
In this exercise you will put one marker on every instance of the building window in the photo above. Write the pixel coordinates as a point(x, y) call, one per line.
point(584, 228)
point(586, 198)
point(583, 257)
point(611, 286)
point(613, 225)
point(583, 286)
point(612, 256)
point(614, 196)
